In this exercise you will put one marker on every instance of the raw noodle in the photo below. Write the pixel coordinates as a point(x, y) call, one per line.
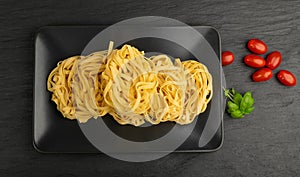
point(132, 88)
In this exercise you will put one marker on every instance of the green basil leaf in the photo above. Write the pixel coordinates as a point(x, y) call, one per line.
point(251, 102)
point(237, 114)
point(249, 99)
point(248, 94)
point(232, 106)
point(232, 91)
point(244, 104)
point(237, 98)
point(249, 110)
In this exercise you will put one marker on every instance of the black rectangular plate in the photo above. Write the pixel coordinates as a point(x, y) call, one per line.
point(52, 132)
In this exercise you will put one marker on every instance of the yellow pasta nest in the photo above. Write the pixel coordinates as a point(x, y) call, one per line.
point(130, 87)
point(60, 84)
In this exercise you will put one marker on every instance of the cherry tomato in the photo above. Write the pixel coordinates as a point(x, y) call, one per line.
point(227, 58)
point(274, 60)
point(261, 75)
point(286, 78)
point(254, 61)
point(257, 46)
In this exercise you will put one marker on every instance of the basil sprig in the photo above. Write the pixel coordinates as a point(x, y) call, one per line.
point(238, 105)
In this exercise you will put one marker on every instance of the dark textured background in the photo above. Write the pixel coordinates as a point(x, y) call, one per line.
point(265, 143)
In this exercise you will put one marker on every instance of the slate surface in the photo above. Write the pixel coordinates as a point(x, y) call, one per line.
point(266, 143)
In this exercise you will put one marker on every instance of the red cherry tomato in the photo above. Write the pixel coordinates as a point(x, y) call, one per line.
point(274, 60)
point(254, 61)
point(286, 78)
point(261, 75)
point(257, 46)
point(227, 58)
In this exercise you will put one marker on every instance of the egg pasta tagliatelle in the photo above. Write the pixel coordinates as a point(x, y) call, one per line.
point(131, 87)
